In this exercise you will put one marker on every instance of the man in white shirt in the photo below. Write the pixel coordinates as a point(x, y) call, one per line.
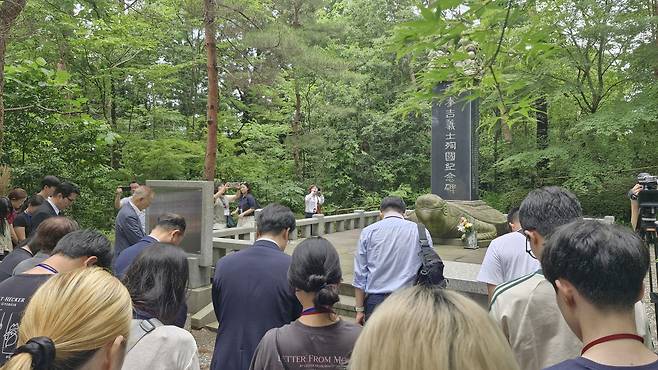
point(506, 258)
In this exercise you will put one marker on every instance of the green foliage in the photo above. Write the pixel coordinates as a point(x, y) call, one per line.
point(335, 93)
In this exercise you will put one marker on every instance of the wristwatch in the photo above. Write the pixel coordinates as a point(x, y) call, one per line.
point(359, 309)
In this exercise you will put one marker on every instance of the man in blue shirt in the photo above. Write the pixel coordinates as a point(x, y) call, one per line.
point(169, 229)
point(387, 257)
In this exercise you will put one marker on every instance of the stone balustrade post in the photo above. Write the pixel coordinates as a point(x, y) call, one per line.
point(360, 221)
point(319, 228)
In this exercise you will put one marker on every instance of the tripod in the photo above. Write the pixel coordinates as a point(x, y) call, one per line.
point(646, 227)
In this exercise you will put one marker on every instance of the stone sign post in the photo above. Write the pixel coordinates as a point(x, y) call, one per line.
point(455, 147)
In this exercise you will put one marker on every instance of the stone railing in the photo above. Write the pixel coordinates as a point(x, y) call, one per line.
point(241, 237)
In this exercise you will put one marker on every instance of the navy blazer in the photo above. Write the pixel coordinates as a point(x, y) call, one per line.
point(251, 295)
point(122, 262)
point(44, 212)
point(127, 229)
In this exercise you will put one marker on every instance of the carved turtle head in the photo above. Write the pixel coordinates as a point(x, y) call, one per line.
point(432, 211)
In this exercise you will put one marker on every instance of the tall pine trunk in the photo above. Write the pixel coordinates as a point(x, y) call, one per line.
point(296, 129)
point(9, 11)
point(213, 93)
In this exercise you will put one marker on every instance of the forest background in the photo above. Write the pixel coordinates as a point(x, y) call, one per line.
point(336, 93)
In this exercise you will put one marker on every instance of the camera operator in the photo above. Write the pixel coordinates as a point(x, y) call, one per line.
point(312, 202)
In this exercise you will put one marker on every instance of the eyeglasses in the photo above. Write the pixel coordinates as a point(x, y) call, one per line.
point(528, 248)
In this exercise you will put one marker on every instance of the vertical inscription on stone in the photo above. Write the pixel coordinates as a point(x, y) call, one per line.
point(454, 147)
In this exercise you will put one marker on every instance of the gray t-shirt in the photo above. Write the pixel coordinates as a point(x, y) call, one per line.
point(297, 346)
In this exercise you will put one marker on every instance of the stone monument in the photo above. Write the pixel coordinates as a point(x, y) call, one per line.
point(455, 151)
point(455, 146)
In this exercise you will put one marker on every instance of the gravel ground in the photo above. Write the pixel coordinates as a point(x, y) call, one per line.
point(205, 340)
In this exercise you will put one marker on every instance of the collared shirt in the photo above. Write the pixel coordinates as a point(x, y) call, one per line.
point(53, 205)
point(140, 213)
point(526, 310)
point(269, 240)
point(387, 256)
point(311, 202)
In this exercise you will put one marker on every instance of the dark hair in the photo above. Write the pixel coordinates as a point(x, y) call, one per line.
point(49, 180)
point(66, 189)
point(49, 232)
point(133, 182)
point(17, 193)
point(34, 201)
point(315, 268)
point(157, 280)
point(547, 208)
point(513, 215)
point(393, 203)
point(275, 218)
point(5, 210)
point(248, 187)
point(171, 221)
point(605, 263)
point(85, 243)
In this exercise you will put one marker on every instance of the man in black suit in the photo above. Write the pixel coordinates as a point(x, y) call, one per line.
point(63, 197)
point(251, 293)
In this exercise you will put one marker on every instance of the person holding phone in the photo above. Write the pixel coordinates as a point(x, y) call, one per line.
point(222, 209)
point(312, 202)
point(118, 200)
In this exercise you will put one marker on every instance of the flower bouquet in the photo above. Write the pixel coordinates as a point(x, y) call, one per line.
point(469, 236)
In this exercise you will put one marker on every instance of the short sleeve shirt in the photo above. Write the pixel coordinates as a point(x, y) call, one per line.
point(506, 260)
point(15, 293)
point(24, 220)
point(305, 347)
point(247, 202)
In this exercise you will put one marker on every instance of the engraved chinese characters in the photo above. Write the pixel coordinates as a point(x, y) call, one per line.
point(454, 147)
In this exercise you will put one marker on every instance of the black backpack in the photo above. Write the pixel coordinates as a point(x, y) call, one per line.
point(430, 272)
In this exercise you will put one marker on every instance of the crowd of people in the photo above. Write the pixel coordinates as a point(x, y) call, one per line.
point(564, 293)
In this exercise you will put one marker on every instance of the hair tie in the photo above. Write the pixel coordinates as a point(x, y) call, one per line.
point(323, 286)
point(42, 350)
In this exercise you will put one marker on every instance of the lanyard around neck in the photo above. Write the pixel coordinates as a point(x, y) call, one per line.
point(610, 338)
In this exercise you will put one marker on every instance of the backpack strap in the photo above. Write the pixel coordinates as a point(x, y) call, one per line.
point(422, 236)
point(139, 329)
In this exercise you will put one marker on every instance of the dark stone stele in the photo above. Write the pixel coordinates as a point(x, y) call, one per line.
point(455, 146)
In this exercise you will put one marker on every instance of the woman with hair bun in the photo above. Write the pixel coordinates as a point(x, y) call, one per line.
point(319, 338)
point(75, 321)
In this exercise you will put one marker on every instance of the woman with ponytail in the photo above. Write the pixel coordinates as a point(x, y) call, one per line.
point(319, 338)
point(77, 320)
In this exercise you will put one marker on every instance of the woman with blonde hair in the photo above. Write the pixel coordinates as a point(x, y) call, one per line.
point(422, 328)
point(76, 320)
